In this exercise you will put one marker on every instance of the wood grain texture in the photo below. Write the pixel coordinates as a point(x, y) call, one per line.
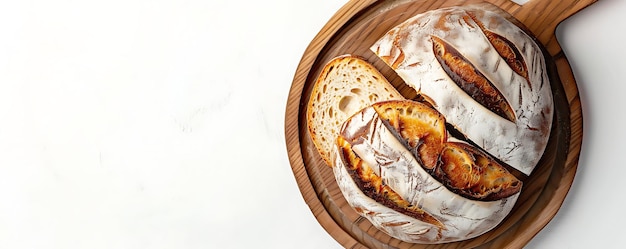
point(352, 30)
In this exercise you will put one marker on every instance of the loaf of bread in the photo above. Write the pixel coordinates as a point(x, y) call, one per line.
point(440, 170)
point(346, 85)
point(385, 169)
point(483, 73)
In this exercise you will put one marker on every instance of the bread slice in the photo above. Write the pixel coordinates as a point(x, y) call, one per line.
point(346, 85)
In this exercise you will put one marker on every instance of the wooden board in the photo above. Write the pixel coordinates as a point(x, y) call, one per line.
point(352, 30)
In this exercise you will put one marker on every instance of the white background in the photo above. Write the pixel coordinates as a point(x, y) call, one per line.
point(159, 124)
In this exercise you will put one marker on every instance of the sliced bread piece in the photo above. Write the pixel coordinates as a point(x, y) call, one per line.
point(346, 85)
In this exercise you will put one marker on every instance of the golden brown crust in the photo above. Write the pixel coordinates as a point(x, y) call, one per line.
point(472, 81)
point(473, 174)
point(421, 128)
point(505, 48)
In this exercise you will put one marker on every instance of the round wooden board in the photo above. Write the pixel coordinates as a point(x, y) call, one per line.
point(352, 30)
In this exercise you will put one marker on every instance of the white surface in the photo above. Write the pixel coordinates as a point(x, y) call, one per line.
point(159, 124)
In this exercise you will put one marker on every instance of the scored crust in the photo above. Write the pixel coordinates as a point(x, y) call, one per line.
point(346, 85)
point(473, 174)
